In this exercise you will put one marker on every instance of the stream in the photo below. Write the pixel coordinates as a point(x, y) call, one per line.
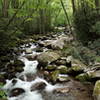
point(32, 84)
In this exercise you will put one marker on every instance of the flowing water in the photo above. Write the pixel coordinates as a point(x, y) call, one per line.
point(30, 89)
point(29, 68)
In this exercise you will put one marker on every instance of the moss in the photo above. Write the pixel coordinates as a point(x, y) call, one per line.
point(83, 77)
point(97, 59)
point(76, 68)
point(62, 69)
point(55, 75)
point(2, 93)
point(50, 67)
point(96, 91)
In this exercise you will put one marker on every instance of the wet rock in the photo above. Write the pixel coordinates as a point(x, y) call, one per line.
point(18, 63)
point(91, 74)
point(2, 78)
point(76, 66)
point(63, 78)
point(62, 90)
point(57, 43)
point(78, 63)
point(47, 57)
point(96, 92)
point(39, 49)
point(16, 66)
point(51, 67)
point(75, 70)
point(62, 69)
point(61, 61)
point(83, 77)
point(38, 86)
point(31, 57)
point(95, 74)
point(54, 75)
point(28, 51)
point(12, 68)
point(16, 92)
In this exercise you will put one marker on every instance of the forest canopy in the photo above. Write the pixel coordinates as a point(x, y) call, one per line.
point(19, 18)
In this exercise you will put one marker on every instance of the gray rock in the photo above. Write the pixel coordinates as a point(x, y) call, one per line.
point(47, 57)
point(28, 51)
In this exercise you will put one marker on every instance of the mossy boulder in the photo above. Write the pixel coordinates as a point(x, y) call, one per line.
point(78, 65)
point(54, 75)
point(47, 57)
point(91, 75)
point(76, 68)
point(96, 92)
point(12, 68)
point(63, 78)
point(83, 77)
point(62, 69)
point(50, 67)
point(95, 74)
point(61, 61)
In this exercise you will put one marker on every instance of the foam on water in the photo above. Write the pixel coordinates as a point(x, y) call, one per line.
point(49, 87)
point(28, 96)
point(26, 86)
point(30, 66)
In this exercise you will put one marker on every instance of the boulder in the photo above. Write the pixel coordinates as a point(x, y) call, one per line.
point(50, 67)
point(47, 57)
point(16, 66)
point(83, 77)
point(91, 75)
point(78, 65)
point(62, 69)
point(16, 92)
point(54, 75)
point(12, 68)
point(38, 86)
point(61, 61)
point(96, 92)
point(57, 43)
point(63, 78)
point(28, 51)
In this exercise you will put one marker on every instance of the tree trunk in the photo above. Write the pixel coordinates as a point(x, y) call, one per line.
point(5, 8)
point(97, 4)
point(66, 14)
point(73, 6)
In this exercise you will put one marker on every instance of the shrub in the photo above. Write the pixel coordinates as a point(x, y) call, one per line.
point(84, 18)
point(96, 28)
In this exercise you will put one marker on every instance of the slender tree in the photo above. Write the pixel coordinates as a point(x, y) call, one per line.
point(5, 8)
point(97, 3)
point(73, 6)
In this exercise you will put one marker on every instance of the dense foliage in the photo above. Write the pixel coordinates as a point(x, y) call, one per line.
point(19, 18)
point(86, 20)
